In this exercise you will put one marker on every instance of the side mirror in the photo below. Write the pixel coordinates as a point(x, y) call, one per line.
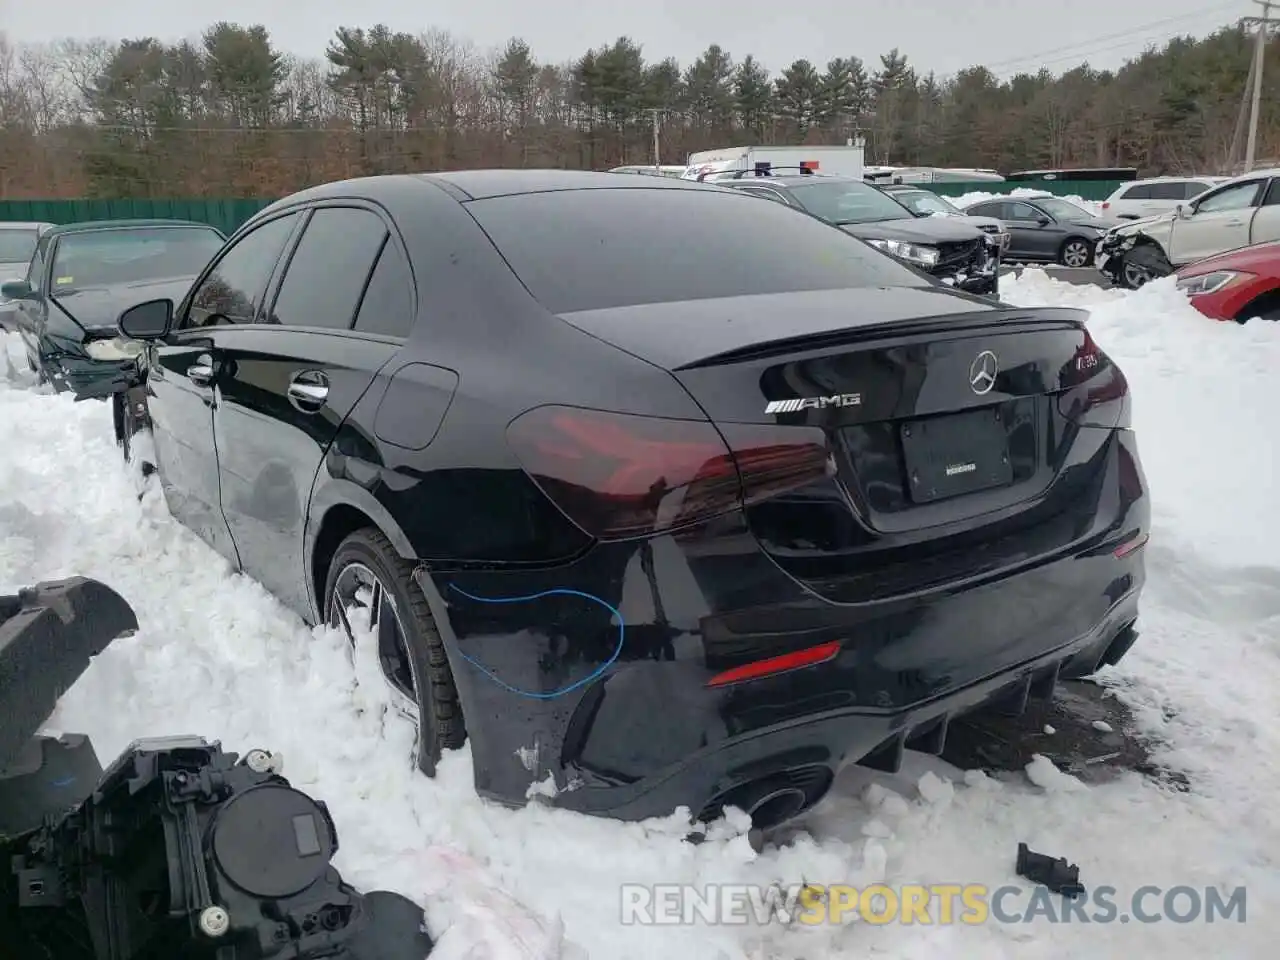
point(1182, 212)
point(15, 290)
point(147, 321)
point(1043, 220)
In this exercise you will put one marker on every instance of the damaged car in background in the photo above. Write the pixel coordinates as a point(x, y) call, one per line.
point(956, 253)
point(80, 276)
point(1239, 213)
point(926, 203)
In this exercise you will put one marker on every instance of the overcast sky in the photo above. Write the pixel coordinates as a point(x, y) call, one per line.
point(939, 35)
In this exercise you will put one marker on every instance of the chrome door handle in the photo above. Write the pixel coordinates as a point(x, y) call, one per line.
point(201, 372)
point(1235, 223)
point(308, 390)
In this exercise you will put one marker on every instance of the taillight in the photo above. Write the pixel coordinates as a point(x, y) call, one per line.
point(1106, 204)
point(1096, 392)
point(620, 475)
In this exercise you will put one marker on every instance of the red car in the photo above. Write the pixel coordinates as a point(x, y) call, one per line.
point(1237, 285)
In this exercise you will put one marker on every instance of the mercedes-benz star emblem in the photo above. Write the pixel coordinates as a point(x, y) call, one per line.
point(982, 372)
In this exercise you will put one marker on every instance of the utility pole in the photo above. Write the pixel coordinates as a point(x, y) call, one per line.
point(657, 163)
point(1262, 24)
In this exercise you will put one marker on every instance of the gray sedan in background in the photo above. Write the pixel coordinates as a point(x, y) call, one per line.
point(1045, 229)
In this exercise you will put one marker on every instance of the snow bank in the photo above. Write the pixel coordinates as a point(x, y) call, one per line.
point(966, 199)
point(217, 656)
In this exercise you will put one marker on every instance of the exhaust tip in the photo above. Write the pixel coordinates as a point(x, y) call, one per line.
point(777, 806)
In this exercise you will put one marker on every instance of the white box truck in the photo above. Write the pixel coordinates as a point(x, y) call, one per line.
point(846, 161)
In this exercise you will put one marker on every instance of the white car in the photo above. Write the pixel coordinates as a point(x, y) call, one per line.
point(1149, 198)
point(1238, 213)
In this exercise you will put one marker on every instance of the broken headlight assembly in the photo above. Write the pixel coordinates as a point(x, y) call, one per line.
point(114, 350)
point(917, 253)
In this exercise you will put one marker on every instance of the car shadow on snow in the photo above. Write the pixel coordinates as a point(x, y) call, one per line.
point(1085, 729)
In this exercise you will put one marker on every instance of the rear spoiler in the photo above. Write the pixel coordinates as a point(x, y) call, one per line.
point(943, 326)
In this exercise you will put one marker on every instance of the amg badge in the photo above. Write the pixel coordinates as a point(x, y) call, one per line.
point(814, 403)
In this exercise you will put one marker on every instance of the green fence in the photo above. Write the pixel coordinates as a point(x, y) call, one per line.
point(227, 215)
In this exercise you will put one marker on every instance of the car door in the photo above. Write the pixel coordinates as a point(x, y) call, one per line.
point(183, 371)
point(1040, 235)
point(1219, 221)
point(1266, 222)
point(288, 382)
point(28, 311)
point(1019, 245)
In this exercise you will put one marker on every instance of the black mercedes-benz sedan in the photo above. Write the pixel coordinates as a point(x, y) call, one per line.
point(673, 517)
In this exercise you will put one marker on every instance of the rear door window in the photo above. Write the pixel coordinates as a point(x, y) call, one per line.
point(594, 249)
point(329, 268)
point(1172, 190)
point(387, 307)
point(1143, 191)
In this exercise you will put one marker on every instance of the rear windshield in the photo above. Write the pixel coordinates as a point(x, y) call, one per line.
point(594, 249)
point(131, 255)
point(17, 246)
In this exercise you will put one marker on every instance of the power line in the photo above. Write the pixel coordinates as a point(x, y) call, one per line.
point(1110, 37)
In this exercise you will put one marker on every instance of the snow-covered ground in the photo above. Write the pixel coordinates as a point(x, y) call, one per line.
point(217, 656)
point(965, 199)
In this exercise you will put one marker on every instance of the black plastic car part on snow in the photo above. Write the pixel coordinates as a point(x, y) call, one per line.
point(650, 517)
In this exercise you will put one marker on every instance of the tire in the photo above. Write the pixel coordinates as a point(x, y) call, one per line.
point(1143, 264)
point(422, 655)
point(128, 424)
point(1075, 252)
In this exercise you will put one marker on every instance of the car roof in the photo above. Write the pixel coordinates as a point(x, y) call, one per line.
point(1190, 176)
point(465, 185)
point(87, 226)
point(485, 184)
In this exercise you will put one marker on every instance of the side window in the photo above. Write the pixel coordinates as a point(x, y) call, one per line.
point(1168, 190)
point(35, 269)
point(233, 291)
point(329, 268)
point(387, 307)
point(987, 210)
point(1272, 199)
point(1021, 211)
point(1144, 191)
point(1193, 188)
point(1237, 197)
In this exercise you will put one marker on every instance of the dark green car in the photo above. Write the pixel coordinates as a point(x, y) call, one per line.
point(80, 278)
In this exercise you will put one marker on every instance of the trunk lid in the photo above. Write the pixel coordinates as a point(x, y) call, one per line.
point(952, 424)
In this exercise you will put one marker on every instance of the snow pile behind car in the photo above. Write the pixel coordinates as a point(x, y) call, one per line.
point(1093, 207)
point(217, 656)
